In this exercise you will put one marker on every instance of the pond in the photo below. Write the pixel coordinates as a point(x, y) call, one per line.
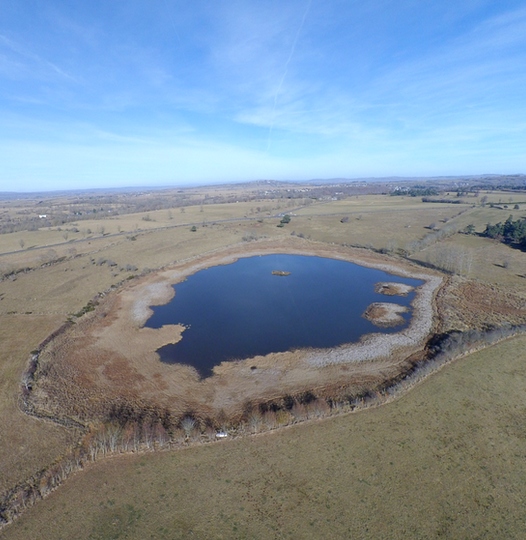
point(241, 310)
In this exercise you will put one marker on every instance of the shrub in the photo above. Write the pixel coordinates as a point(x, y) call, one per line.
point(90, 306)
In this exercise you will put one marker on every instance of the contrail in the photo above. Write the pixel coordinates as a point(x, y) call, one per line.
point(169, 14)
point(285, 73)
point(15, 47)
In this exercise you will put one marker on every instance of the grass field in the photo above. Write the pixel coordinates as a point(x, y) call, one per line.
point(451, 451)
point(447, 460)
point(26, 444)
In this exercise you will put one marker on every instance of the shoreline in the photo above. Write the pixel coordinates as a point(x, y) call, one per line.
point(115, 357)
point(370, 347)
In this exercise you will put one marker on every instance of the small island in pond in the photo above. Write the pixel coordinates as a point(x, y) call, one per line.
point(393, 289)
point(385, 314)
point(280, 273)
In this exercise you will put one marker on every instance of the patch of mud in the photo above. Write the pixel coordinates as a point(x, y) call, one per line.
point(153, 294)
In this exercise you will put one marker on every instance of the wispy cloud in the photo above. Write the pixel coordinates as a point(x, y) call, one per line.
point(459, 77)
point(29, 60)
point(285, 71)
point(352, 88)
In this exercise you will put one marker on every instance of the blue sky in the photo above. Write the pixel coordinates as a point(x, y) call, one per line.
point(165, 92)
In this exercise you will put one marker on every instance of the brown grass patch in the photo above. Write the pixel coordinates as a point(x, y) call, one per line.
point(26, 444)
point(467, 304)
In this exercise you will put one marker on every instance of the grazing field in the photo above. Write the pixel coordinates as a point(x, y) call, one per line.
point(452, 449)
point(26, 444)
point(447, 460)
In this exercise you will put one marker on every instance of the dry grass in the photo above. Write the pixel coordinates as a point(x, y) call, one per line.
point(492, 261)
point(374, 203)
point(36, 303)
point(452, 450)
point(445, 461)
point(377, 221)
point(26, 444)
point(133, 223)
point(503, 197)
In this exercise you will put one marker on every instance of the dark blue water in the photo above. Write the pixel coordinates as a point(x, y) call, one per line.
point(241, 310)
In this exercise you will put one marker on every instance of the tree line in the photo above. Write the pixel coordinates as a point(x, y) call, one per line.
point(510, 232)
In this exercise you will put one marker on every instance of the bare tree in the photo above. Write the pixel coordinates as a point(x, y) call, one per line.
point(160, 435)
point(452, 259)
point(255, 421)
point(299, 411)
point(27, 380)
point(318, 408)
point(188, 425)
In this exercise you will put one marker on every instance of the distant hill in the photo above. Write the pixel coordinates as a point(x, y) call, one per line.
point(484, 181)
